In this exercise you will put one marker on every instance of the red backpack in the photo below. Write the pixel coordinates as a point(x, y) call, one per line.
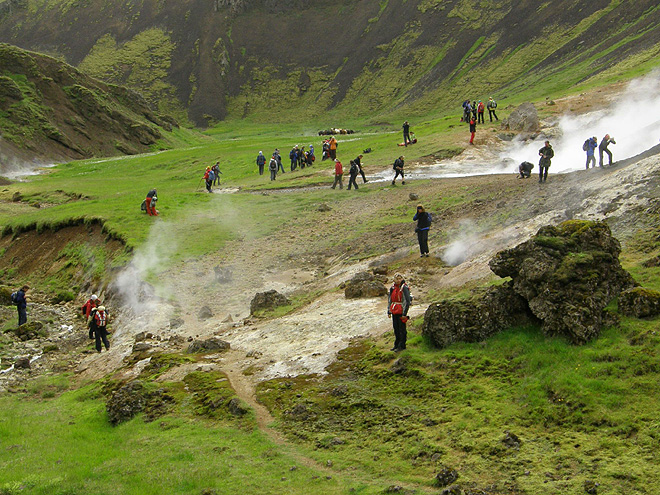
point(396, 299)
point(100, 318)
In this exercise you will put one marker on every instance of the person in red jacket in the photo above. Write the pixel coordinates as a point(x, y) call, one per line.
point(151, 202)
point(98, 326)
point(480, 112)
point(92, 302)
point(339, 173)
point(398, 302)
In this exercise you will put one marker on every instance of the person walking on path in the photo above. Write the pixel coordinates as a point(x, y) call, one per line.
point(293, 156)
point(473, 129)
point(261, 161)
point(208, 179)
point(602, 148)
point(590, 146)
point(546, 153)
point(278, 158)
point(332, 145)
point(406, 134)
point(151, 200)
point(20, 300)
point(339, 173)
point(398, 170)
point(92, 302)
point(492, 105)
point(272, 167)
point(423, 219)
point(480, 112)
point(98, 326)
point(352, 175)
point(398, 302)
point(358, 162)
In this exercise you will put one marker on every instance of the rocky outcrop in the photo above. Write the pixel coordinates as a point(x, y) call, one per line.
point(525, 118)
point(30, 330)
point(267, 300)
point(477, 318)
point(567, 274)
point(126, 402)
point(204, 313)
point(364, 284)
point(214, 344)
point(639, 302)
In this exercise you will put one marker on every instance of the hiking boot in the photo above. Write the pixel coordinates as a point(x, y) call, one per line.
point(393, 183)
point(403, 182)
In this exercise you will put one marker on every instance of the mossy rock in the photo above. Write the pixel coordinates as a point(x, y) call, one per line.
point(5, 296)
point(30, 331)
point(640, 302)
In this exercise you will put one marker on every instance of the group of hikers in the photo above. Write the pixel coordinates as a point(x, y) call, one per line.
point(473, 114)
point(547, 153)
point(212, 176)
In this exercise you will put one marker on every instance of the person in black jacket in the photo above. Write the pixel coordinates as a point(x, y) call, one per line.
point(21, 305)
point(602, 148)
point(398, 170)
point(358, 162)
point(352, 175)
point(546, 153)
point(525, 170)
point(423, 219)
point(406, 134)
point(261, 161)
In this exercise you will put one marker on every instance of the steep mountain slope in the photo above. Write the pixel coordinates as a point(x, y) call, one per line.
point(241, 58)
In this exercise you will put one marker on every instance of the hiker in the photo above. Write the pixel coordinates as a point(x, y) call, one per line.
point(474, 110)
point(590, 146)
point(546, 153)
point(272, 166)
point(406, 134)
point(525, 170)
point(99, 326)
point(398, 170)
point(480, 112)
point(398, 302)
point(310, 155)
point(20, 300)
point(491, 106)
point(473, 129)
point(208, 179)
point(216, 173)
point(278, 157)
point(151, 200)
point(467, 109)
point(293, 156)
point(358, 162)
point(423, 219)
point(352, 175)
point(261, 161)
point(332, 147)
point(339, 173)
point(602, 147)
point(92, 302)
point(91, 323)
point(325, 153)
point(413, 139)
point(302, 157)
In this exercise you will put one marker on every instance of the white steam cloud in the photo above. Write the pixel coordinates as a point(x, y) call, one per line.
point(465, 245)
point(633, 122)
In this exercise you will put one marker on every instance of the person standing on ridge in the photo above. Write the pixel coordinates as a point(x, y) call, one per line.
point(480, 112)
point(590, 146)
point(398, 170)
point(208, 179)
point(406, 134)
point(216, 173)
point(546, 153)
point(151, 200)
point(423, 219)
point(491, 106)
point(261, 161)
point(339, 173)
point(602, 148)
point(398, 302)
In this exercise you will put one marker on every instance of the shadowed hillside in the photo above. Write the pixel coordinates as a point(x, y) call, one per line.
point(49, 109)
point(239, 58)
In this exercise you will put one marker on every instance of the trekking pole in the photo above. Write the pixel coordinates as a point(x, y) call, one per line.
point(199, 183)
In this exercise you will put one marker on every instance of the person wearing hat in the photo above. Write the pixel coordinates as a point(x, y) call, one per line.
point(92, 302)
point(590, 147)
point(98, 326)
point(398, 170)
point(151, 202)
point(398, 302)
point(272, 167)
point(261, 161)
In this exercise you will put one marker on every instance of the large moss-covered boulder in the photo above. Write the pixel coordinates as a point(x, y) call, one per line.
point(364, 284)
point(567, 274)
point(477, 318)
point(5, 296)
point(639, 302)
point(267, 300)
point(30, 331)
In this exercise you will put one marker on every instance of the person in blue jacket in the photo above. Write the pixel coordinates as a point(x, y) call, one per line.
point(21, 305)
point(590, 146)
point(423, 219)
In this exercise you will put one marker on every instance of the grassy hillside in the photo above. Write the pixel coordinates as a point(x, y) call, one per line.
point(294, 61)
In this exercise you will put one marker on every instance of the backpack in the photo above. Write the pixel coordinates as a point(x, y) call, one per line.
point(585, 146)
point(14, 297)
point(494, 104)
point(100, 318)
point(211, 175)
point(143, 206)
